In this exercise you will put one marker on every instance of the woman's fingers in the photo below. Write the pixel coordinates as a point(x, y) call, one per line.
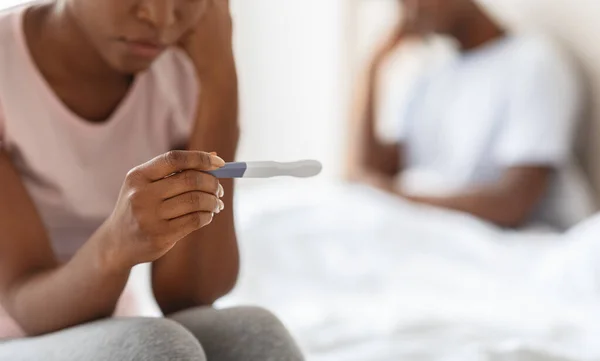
point(191, 202)
point(177, 161)
point(184, 225)
point(186, 181)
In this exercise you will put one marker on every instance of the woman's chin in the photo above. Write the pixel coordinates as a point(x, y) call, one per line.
point(133, 64)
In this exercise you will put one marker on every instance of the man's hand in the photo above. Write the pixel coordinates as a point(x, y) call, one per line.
point(406, 27)
point(210, 43)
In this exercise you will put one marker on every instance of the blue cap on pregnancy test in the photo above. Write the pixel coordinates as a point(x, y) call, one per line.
point(300, 169)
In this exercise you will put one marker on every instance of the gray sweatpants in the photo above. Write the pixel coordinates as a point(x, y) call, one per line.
point(201, 334)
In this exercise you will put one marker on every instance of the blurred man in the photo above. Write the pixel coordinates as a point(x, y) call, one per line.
point(489, 133)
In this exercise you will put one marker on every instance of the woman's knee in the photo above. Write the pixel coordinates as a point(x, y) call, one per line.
point(261, 321)
point(253, 332)
point(135, 339)
point(263, 335)
point(147, 339)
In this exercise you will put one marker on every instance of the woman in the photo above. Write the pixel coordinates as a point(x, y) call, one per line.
point(90, 90)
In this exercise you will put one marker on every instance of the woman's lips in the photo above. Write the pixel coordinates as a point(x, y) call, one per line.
point(144, 49)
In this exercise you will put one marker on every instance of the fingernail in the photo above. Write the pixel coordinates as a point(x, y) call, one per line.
point(217, 161)
point(221, 191)
point(221, 205)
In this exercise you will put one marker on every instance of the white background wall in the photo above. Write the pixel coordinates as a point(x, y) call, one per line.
point(9, 3)
point(292, 80)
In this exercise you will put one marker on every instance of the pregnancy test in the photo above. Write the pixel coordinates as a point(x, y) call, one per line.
point(300, 169)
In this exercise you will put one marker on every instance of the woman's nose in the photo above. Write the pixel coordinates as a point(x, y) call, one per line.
point(160, 14)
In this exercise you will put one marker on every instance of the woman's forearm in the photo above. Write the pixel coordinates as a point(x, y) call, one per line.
point(201, 269)
point(204, 266)
point(86, 288)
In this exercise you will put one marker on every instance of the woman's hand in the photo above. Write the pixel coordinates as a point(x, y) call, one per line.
point(161, 202)
point(210, 43)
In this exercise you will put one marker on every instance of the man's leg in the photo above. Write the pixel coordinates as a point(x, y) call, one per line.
point(240, 334)
point(131, 339)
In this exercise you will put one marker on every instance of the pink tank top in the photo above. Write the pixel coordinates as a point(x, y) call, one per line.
point(73, 169)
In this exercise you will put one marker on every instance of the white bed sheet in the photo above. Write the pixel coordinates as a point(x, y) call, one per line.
point(358, 275)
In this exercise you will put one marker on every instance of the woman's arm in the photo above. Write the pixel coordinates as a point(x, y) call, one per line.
point(204, 266)
point(39, 293)
point(153, 213)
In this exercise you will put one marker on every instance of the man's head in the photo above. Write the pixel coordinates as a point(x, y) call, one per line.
point(131, 34)
point(445, 17)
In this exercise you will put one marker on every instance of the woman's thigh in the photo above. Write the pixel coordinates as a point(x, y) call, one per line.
point(135, 339)
point(240, 334)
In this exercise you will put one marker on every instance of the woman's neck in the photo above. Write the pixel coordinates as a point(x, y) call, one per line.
point(74, 70)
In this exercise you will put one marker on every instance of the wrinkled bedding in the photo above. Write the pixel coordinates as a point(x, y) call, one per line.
point(359, 275)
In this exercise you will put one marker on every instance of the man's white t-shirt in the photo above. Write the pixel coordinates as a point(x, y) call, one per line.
point(513, 102)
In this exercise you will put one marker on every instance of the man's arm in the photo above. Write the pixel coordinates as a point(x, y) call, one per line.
point(369, 153)
point(506, 203)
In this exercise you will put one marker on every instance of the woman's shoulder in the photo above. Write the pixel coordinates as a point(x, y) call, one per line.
point(8, 21)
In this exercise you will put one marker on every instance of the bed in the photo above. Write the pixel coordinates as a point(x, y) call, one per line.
point(359, 275)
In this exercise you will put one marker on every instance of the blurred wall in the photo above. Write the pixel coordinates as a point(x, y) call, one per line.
point(8, 3)
point(292, 80)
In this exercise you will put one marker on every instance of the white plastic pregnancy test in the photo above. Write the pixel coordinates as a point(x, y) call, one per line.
point(301, 169)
